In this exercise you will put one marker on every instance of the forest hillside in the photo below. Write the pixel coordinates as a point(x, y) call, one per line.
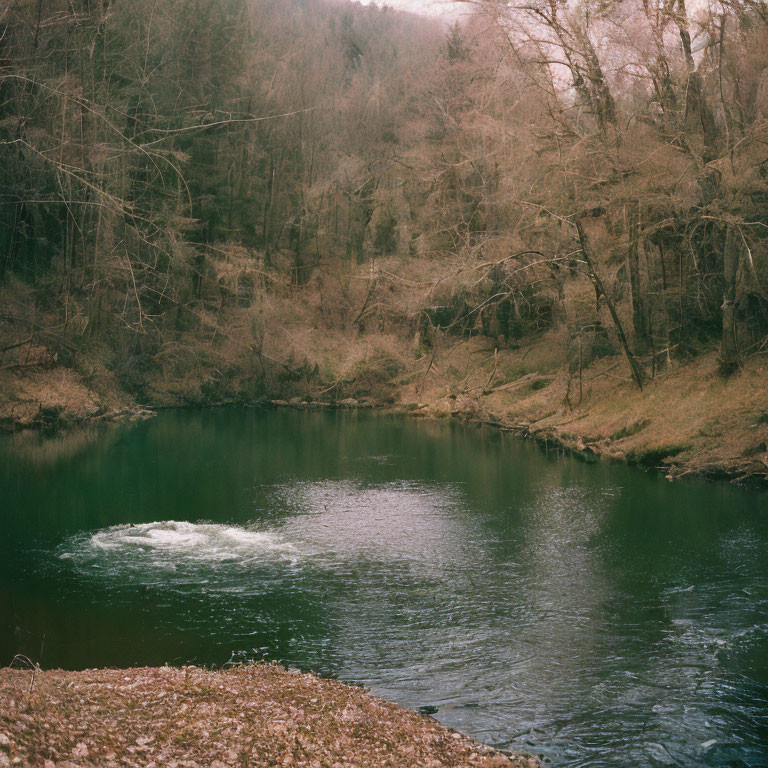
point(552, 216)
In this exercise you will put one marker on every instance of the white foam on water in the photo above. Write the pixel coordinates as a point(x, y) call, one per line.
point(171, 542)
point(333, 523)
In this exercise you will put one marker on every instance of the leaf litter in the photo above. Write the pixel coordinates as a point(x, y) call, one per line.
point(251, 716)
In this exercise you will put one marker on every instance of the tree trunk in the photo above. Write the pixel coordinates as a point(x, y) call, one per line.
point(697, 108)
point(639, 309)
point(729, 352)
point(637, 371)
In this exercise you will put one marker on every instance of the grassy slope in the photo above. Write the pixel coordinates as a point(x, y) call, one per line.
point(686, 420)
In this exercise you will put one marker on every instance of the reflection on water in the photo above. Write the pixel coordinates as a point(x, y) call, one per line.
point(38, 449)
point(391, 521)
point(591, 613)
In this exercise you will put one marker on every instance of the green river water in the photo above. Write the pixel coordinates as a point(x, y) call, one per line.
point(591, 613)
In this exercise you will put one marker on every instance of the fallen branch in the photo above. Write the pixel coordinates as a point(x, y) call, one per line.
point(11, 366)
point(16, 345)
point(530, 378)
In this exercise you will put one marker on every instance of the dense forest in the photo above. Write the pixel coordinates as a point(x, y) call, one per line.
point(211, 199)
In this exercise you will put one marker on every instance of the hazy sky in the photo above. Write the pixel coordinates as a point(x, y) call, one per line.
point(430, 7)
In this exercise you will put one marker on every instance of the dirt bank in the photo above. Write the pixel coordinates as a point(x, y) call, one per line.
point(260, 715)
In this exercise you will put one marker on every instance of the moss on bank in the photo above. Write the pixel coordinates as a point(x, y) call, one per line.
point(255, 716)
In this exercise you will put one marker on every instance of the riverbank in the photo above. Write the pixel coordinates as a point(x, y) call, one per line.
point(51, 398)
point(687, 419)
point(256, 715)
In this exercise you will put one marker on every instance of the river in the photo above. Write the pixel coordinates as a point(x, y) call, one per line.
point(591, 613)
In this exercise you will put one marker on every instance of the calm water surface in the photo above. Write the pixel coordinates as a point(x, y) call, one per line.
point(592, 613)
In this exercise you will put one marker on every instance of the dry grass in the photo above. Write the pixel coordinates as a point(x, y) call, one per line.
point(254, 716)
point(688, 419)
point(53, 396)
point(352, 332)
